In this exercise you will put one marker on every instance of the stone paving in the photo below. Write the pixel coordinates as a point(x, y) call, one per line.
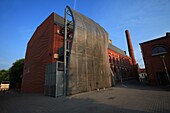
point(125, 98)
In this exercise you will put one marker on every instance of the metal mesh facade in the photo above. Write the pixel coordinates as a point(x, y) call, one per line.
point(88, 66)
point(53, 80)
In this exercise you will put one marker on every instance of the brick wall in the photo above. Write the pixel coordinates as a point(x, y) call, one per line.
point(154, 63)
point(39, 53)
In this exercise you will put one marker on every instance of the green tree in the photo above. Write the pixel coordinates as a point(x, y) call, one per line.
point(16, 72)
point(4, 75)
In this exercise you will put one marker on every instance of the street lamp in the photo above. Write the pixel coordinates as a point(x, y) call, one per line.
point(163, 57)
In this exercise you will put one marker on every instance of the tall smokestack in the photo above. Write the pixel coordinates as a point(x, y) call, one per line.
point(130, 47)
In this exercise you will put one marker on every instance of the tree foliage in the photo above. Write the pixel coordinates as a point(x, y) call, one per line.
point(4, 75)
point(16, 71)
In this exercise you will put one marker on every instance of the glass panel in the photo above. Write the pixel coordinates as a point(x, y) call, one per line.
point(158, 50)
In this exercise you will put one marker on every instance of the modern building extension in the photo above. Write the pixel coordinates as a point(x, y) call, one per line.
point(71, 55)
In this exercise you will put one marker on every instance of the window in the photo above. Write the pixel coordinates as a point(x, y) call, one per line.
point(158, 50)
point(113, 60)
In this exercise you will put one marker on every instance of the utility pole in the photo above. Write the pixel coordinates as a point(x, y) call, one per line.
point(163, 60)
point(74, 4)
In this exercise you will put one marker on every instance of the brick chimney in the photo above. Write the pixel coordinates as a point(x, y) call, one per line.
point(130, 47)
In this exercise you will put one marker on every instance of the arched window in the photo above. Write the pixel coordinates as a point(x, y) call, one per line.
point(158, 50)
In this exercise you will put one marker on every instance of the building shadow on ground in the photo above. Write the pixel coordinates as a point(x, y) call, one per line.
point(38, 103)
point(135, 84)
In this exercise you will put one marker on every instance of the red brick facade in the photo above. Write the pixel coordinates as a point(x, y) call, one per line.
point(121, 65)
point(40, 51)
point(153, 52)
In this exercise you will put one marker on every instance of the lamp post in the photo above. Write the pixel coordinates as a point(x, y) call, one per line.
point(163, 57)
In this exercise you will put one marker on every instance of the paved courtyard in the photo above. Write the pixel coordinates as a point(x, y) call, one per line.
point(125, 98)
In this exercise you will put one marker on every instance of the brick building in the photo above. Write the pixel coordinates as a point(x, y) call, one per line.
point(120, 63)
point(124, 67)
point(92, 65)
point(156, 56)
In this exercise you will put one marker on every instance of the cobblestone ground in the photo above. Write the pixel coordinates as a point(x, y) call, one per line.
point(125, 98)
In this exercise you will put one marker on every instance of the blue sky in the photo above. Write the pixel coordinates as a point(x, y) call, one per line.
point(145, 19)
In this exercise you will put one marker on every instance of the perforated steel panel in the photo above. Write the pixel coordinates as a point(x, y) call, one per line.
point(54, 80)
point(88, 66)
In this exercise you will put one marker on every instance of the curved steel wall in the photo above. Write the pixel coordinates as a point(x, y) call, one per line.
point(88, 67)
